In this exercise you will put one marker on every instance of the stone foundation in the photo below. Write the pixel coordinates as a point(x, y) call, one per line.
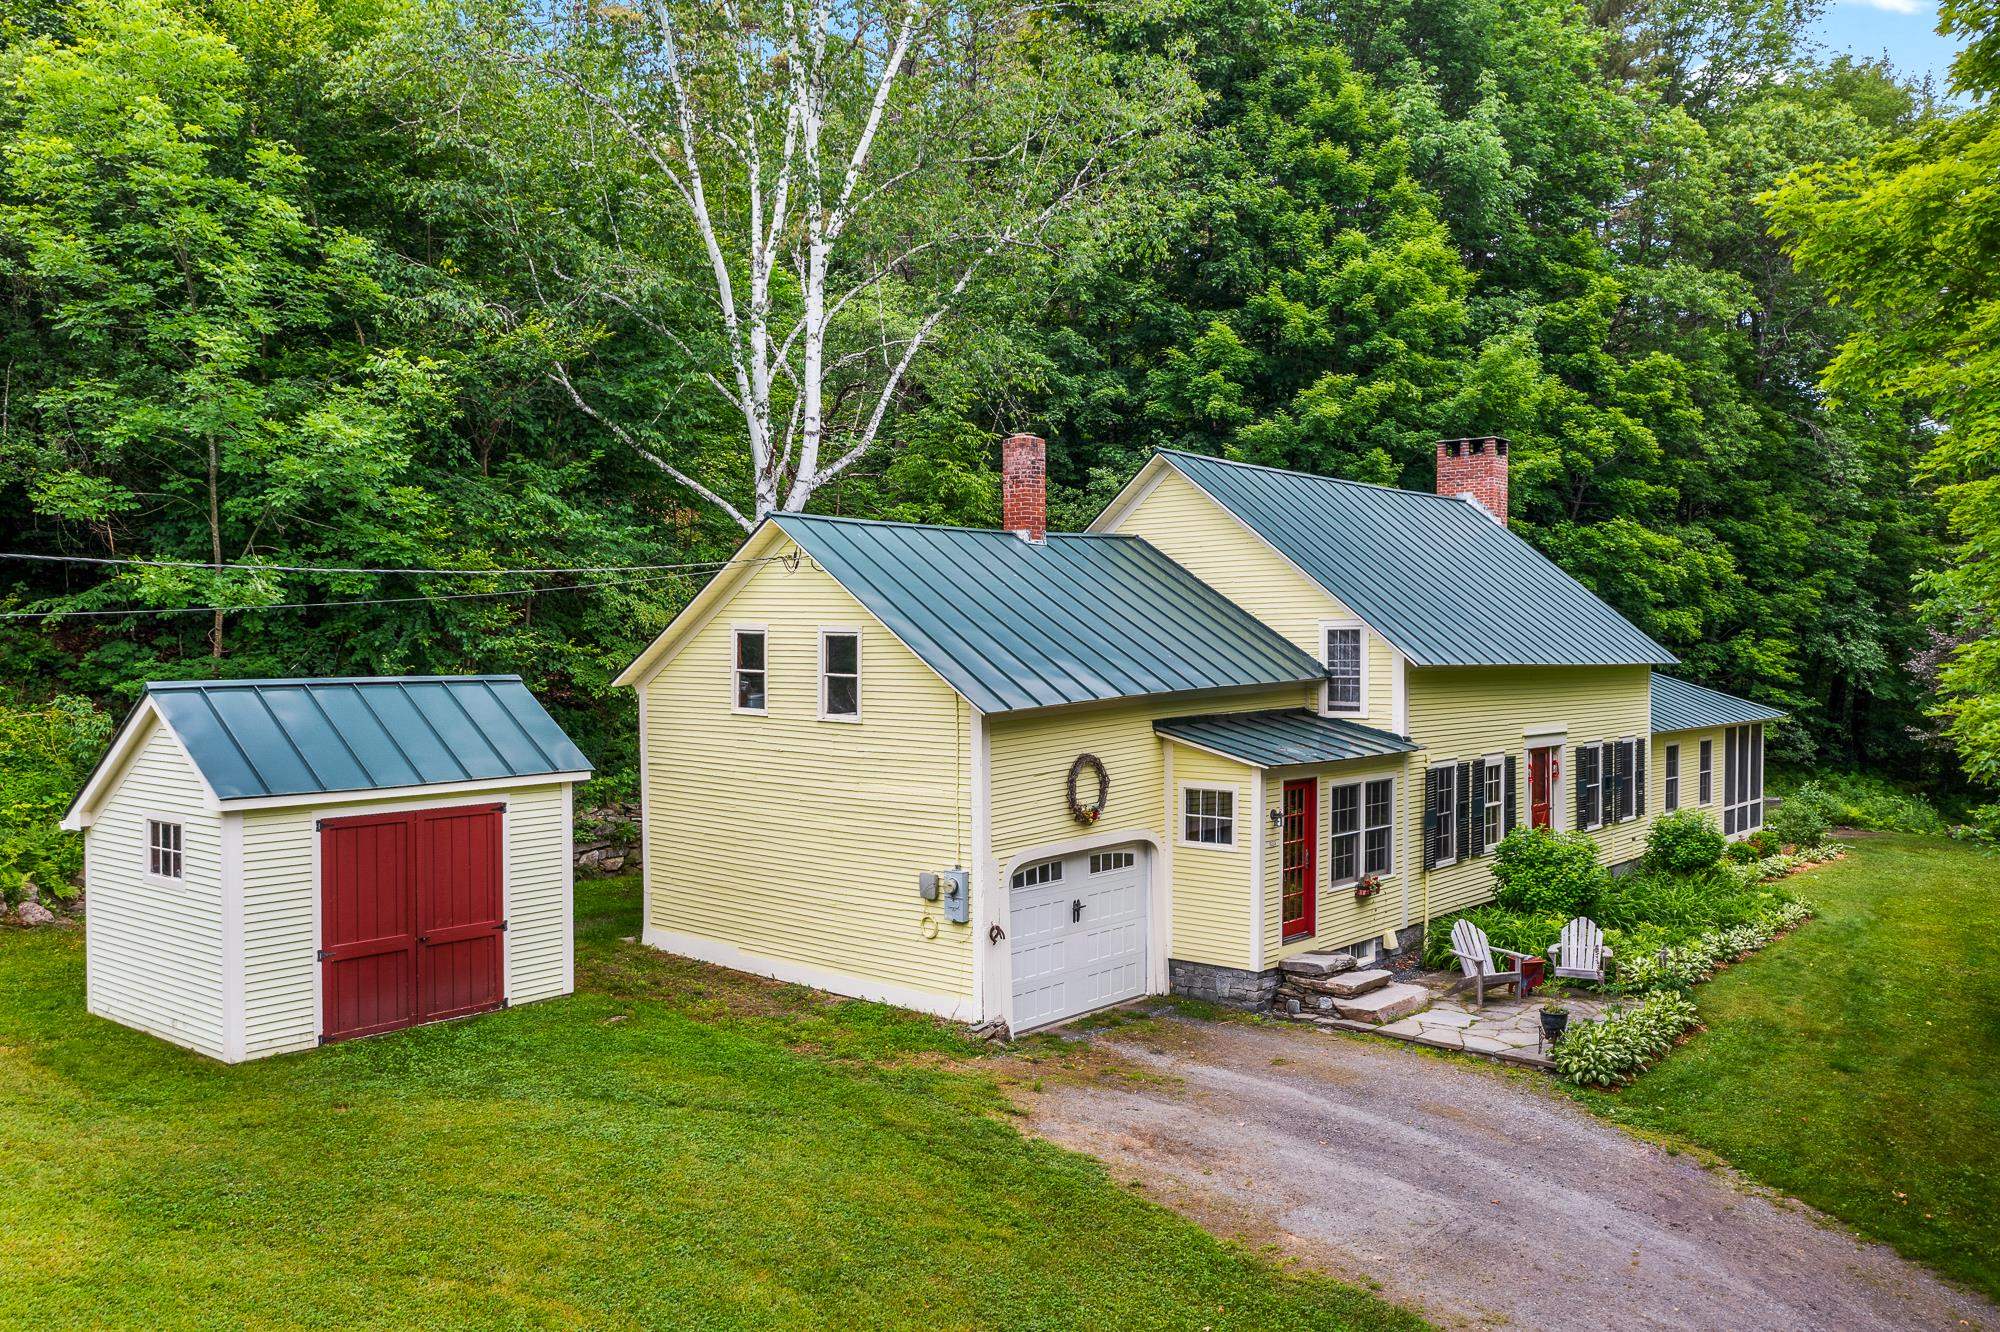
point(1234, 987)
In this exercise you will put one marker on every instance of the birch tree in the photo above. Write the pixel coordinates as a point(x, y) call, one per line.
point(837, 180)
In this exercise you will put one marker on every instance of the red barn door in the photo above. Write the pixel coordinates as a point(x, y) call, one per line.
point(411, 917)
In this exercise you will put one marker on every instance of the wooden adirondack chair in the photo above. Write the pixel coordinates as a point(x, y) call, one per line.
point(1475, 959)
point(1581, 952)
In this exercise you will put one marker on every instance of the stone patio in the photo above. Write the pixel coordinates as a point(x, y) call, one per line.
point(1507, 1029)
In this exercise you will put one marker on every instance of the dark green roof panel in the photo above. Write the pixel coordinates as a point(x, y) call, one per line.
point(254, 738)
point(1433, 574)
point(1077, 618)
point(1282, 738)
point(1680, 706)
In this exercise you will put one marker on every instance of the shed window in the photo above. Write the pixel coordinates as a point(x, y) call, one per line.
point(750, 693)
point(163, 849)
point(1344, 669)
point(1673, 778)
point(1208, 815)
point(1344, 825)
point(840, 674)
point(1378, 827)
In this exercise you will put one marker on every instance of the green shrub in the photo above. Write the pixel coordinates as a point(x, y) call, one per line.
point(1684, 843)
point(1680, 966)
point(1740, 853)
point(1803, 818)
point(46, 753)
point(1604, 1054)
point(1541, 872)
point(1523, 932)
point(1861, 800)
point(1764, 842)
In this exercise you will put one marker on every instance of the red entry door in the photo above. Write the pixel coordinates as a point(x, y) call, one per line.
point(1541, 786)
point(411, 921)
point(1300, 851)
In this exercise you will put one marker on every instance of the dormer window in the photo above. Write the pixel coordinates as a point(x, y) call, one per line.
point(1346, 668)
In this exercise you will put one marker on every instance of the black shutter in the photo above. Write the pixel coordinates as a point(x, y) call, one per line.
point(1430, 817)
point(1507, 796)
point(1464, 818)
point(1478, 808)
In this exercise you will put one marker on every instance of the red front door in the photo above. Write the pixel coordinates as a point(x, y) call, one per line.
point(411, 918)
point(1541, 786)
point(1300, 851)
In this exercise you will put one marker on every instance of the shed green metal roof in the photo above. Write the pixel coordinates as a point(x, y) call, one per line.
point(1681, 706)
point(1078, 618)
point(1433, 574)
point(1281, 738)
point(254, 738)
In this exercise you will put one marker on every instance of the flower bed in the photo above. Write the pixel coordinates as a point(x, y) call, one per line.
point(1618, 1049)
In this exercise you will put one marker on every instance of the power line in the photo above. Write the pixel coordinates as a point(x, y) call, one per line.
point(318, 605)
point(357, 569)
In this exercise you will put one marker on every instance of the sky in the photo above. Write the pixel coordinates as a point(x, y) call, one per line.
point(1905, 29)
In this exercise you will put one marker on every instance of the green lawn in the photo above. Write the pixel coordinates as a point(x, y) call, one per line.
point(670, 1146)
point(1856, 1064)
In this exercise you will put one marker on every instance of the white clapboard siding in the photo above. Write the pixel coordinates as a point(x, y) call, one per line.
point(154, 950)
point(281, 909)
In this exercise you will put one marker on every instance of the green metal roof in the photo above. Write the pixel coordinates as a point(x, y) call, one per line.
point(1074, 619)
point(301, 737)
point(1433, 574)
point(1279, 739)
point(1680, 706)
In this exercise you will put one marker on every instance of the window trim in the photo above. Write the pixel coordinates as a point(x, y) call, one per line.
point(1358, 786)
point(1235, 794)
point(1590, 779)
point(1360, 709)
point(148, 847)
point(1670, 778)
point(1493, 777)
point(1447, 816)
point(827, 631)
point(1628, 791)
point(736, 670)
point(1395, 843)
point(1748, 772)
point(1705, 787)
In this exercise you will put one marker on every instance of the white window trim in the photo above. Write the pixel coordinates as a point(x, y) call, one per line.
point(1325, 702)
point(146, 822)
point(1596, 747)
point(1670, 779)
point(1492, 772)
point(1632, 779)
point(1236, 808)
point(1559, 742)
point(1360, 787)
point(736, 631)
point(1395, 817)
point(826, 631)
point(1450, 769)
point(1705, 771)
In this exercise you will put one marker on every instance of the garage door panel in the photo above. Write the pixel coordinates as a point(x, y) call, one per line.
point(1079, 934)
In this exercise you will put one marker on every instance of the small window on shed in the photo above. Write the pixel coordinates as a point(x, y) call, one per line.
point(163, 849)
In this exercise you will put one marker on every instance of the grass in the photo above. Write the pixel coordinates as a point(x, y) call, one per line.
point(672, 1145)
point(1856, 1064)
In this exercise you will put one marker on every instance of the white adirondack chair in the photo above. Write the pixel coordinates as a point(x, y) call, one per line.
point(1580, 953)
point(1475, 960)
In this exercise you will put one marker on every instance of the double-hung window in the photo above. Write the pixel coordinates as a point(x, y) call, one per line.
point(1706, 781)
point(749, 686)
point(840, 675)
point(1444, 815)
point(1590, 786)
point(1344, 828)
point(1208, 815)
point(1493, 774)
point(1673, 792)
point(1378, 827)
point(1627, 752)
point(1346, 669)
point(163, 849)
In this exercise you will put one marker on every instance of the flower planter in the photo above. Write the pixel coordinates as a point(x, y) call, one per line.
point(1553, 1026)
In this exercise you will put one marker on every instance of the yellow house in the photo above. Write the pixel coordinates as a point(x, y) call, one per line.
point(1010, 776)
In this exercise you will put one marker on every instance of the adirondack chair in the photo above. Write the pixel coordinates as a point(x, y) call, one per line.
point(1475, 959)
point(1580, 953)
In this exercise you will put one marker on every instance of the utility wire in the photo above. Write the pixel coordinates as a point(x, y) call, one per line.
point(317, 605)
point(357, 569)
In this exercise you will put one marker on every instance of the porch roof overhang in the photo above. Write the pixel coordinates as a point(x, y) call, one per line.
point(1282, 738)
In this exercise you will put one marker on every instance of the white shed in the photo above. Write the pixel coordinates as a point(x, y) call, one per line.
point(273, 864)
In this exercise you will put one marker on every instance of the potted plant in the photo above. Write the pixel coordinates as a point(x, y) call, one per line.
point(1367, 887)
point(1555, 1021)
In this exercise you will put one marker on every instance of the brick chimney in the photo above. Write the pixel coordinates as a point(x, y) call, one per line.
point(1024, 487)
point(1475, 469)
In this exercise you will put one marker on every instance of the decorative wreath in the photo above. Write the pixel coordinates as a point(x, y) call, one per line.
point(1093, 811)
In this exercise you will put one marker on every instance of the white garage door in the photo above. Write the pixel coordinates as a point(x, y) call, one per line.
point(1078, 927)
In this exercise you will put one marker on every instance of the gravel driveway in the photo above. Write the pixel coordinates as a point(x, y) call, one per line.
point(1477, 1197)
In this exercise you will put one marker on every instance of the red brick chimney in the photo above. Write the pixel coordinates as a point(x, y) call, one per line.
point(1024, 487)
point(1477, 470)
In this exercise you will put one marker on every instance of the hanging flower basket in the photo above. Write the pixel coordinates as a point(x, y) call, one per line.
point(1367, 888)
point(1088, 810)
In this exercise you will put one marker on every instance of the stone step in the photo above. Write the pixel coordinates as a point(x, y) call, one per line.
point(1385, 1003)
point(1317, 964)
point(1354, 983)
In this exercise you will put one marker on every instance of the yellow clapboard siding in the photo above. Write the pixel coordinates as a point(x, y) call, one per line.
point(1031, 754)
point(1340, 920)
point(799, 840)
point(1690, 766)
point(1187, 524)
point(1462, 713)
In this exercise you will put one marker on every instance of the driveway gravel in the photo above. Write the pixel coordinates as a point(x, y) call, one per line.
point(1480, 1197)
